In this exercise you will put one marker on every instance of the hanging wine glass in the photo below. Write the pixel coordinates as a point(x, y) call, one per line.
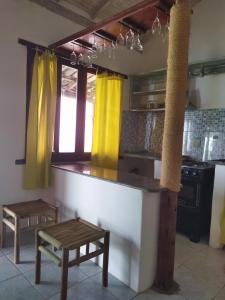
point(156, 25)
point(129, 38)
point(89, 60)
point(80, 59)
point(138, 44)
point(120, 39)
point(168, 25)
point(165, 31)
point(112, 50)
point(73, 57)
point(104, 46)
point(94, 53)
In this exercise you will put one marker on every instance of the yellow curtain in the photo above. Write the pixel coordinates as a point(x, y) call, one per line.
point(107, 117)
point(41, 120)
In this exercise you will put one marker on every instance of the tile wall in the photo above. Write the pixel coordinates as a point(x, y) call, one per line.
point(204, 133)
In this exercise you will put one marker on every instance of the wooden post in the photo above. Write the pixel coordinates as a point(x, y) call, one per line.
point(172, 141)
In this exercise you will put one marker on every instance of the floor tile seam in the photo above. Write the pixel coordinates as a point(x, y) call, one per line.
point(77, 284)
point(204, 281)
point(218, 292)
point(34, 287)
point(186, 257)
point(21, 249)
point(4, 280)
point(89, 277)
point(193, 271)
point(15, 265)
point(23, 272)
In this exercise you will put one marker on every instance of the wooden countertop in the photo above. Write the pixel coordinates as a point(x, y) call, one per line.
point(115, 176)
point(140, 154)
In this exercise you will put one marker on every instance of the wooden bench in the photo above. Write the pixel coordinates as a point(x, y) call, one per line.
point(67, 236)
point(34, 214)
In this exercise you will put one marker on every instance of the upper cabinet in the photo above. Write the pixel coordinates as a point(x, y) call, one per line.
point(148, 92)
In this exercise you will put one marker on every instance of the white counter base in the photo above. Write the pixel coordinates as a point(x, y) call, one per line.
point(131, 215)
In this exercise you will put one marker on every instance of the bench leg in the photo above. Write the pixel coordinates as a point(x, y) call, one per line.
point(38, 259)
point(105, 260)
point(3, 232)
point(64, 274)
point(17, 241)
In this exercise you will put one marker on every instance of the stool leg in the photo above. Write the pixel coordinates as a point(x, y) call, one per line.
point(17, 241)
point(78, 254)
point(105, 260)
point(38, 259)
point(3, 231)
point(56, 215)
point(64, 274)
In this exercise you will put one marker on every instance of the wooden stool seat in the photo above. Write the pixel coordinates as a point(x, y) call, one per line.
point(71, 235)
point(37, 213)
point(28, 209)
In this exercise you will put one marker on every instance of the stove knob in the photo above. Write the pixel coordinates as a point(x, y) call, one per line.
point(195, 173)
point(186, 172)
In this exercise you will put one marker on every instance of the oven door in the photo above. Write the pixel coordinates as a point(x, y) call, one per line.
point(189, 194)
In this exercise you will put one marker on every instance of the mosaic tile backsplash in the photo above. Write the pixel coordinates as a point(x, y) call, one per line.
point(204, 133)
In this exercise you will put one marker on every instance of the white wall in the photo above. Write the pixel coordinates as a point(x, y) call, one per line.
point(25, 20)
point(207, 42)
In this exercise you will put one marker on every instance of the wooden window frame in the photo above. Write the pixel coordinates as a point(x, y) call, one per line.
point(79, 153)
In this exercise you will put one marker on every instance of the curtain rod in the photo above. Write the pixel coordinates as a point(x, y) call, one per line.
point(34, 46)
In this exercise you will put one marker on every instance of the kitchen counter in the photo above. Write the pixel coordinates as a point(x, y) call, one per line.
point(115, 176)
point(127, 205)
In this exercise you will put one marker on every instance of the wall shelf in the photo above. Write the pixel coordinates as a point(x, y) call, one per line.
point(148, 92)
point(144, 93)
point(147, 109)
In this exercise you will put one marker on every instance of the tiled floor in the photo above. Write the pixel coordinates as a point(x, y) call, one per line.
point(199, 270)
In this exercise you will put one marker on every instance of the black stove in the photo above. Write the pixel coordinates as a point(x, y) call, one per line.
point(195, 198)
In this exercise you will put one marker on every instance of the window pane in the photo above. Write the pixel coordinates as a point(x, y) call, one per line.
point(68, 108)
point(89, 114)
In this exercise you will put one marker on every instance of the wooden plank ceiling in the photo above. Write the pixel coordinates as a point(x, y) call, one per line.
point(139, 18)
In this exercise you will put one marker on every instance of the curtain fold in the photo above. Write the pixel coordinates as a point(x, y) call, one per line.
point(107, 119)
point(41, 121)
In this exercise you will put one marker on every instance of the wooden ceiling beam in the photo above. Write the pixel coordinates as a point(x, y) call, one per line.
point(128, 22)
point(64, 12)
point(105, 35)
point(121, 15)
point(83, 44)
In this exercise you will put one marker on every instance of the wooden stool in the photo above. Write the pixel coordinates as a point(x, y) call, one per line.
point(71, 235)
point(37, 213)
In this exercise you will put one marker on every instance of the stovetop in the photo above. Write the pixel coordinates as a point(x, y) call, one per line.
point(197, 165)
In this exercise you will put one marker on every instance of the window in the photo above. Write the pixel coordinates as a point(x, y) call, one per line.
point(68, 109)
point(89, 115)
point(74, 113)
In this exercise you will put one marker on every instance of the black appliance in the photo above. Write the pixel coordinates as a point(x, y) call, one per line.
point(195, 199)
